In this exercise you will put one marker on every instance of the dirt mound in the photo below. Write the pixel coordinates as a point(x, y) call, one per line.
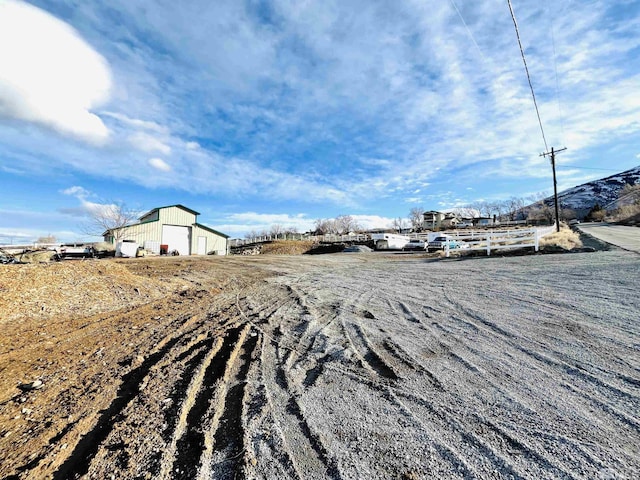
point(286, 247)
point(40, 291)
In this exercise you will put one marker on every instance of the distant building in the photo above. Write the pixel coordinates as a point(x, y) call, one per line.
point(175, 227)
point(433, 220)
point(484, 221)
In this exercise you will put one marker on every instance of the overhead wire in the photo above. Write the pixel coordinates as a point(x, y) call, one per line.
point(555, 68)
point(526, 68)
point(587, 168)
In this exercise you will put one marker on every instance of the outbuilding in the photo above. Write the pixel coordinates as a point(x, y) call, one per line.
point(174, 228)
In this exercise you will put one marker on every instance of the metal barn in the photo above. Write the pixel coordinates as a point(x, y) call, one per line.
point(175, 227)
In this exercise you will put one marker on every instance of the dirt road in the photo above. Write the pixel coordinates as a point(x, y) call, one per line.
point(337, 366)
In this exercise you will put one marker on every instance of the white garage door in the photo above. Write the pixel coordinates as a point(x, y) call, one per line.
point(177, 238)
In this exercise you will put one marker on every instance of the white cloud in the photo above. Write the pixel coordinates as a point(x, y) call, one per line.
point(160, 164)
point(148, 143)
point(76, 191)
point(49, 75)
point(369, 222)
point(137, 123)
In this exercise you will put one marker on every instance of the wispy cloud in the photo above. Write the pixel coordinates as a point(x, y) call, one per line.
point(347, 106)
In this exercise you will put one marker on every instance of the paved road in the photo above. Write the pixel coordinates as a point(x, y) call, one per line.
point(621, 236)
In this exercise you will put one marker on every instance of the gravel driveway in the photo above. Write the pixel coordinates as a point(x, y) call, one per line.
point(351, 366)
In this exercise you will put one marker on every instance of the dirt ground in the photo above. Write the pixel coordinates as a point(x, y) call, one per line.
point(341, 366)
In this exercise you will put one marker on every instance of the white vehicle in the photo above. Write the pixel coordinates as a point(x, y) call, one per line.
point(389, 241)
point(75, 250)
point(415, 244)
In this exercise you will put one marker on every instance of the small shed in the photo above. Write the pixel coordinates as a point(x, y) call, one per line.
point(171, 228)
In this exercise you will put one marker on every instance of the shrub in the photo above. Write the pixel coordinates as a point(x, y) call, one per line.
point(565, 238)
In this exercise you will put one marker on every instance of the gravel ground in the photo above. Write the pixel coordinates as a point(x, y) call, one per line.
point(339, 366)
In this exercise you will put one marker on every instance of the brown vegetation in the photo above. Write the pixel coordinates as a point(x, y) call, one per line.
point(565, 238)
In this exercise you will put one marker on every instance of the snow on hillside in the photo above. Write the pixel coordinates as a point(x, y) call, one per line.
point(602, 192)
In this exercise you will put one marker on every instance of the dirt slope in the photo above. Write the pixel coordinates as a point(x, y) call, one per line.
point(340, 366)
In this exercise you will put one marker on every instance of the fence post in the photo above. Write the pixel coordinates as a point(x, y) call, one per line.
point(537, 240)
point(446, 249)
point(488, 244)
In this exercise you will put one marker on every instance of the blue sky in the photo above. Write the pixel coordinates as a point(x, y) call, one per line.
point(261, 112)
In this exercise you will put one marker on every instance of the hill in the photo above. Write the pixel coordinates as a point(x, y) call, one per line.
point(603, 192)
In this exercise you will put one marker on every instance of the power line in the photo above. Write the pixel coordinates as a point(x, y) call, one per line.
point(555, 68)
point(515, 24)
point(588, 168)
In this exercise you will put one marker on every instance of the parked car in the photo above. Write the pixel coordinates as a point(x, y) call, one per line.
point(439, 243)
point(415, 244)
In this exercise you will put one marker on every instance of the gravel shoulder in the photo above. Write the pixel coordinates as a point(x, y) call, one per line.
point(337, 366)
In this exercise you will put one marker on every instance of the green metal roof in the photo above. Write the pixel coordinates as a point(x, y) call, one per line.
point(170, 206)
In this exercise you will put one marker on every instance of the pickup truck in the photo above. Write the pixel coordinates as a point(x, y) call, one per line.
point(439, 243)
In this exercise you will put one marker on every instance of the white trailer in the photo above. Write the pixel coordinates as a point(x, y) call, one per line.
point(389, 241)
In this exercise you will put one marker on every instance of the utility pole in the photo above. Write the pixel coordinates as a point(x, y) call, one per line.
point(552, 153)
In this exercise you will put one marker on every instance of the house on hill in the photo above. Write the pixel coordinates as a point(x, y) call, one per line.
point(175, 227)
point(433, 220)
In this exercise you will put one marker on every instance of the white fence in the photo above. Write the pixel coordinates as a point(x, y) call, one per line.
point(486, 240)
point(499, 240)
point(328, 238)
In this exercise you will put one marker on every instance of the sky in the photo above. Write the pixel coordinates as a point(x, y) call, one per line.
point(255, 113)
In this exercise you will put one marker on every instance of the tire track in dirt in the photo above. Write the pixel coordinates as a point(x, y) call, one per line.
point(547, 364)
point(78, 462)
point(229, 442)
point(186, 390)
point(203, 414)
point(305, 454)
point(368, 358)
point(456, 429)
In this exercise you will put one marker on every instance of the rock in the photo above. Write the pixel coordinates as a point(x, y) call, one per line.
point(35, 385)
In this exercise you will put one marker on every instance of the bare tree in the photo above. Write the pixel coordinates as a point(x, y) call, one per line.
point(416, 218)
point(112, 219)
point(514, 206)
point(276, 230)
point(541, 212)
point(469, 211)
point(345, 224)
point(399, 224)
point(324, 226)
point(251, 235)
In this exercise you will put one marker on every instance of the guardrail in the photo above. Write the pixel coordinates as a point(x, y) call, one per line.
point(507, 239)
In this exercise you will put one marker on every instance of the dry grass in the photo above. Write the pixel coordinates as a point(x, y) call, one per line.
point(626, 215)
point(287, 247)
point(565, 238)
